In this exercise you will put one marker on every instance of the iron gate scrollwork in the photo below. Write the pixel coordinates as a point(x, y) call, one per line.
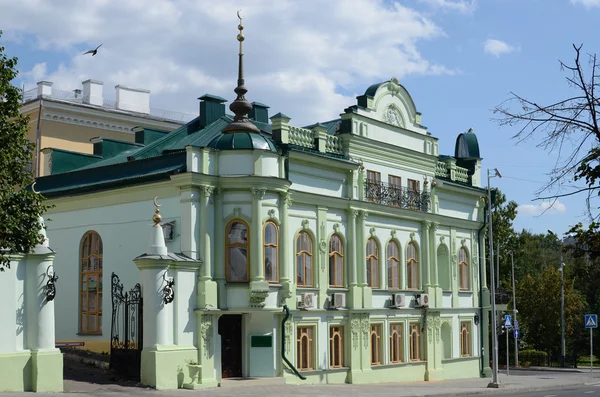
point(127, 330)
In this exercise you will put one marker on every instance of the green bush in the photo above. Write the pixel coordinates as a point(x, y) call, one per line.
point(534, 354)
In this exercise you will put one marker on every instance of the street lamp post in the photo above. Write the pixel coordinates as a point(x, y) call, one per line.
point(494, 383)
point(562, 303)
point(512, 261)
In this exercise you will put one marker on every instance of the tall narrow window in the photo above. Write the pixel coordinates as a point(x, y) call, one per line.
point(373, 188)
point(372, 264)
point(336, 262)
point(304, 265)
point(465, 338)
point(236, 251)
point(463, 267)
point(396, 339)
point(271, 251)
point(336, 346)
point(304, 348)
point(412, 266)
point(375, 344)
point(395, 191)
point(413, 194)
point(90, 291)
point(393, 265)
point(415, 343)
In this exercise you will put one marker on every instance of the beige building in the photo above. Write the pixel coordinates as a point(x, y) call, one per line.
point(66, 124)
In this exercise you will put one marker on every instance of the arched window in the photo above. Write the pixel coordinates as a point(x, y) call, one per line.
point(336, 261)
point(236, 251)
point(465, 339)
point(393, 265)
point(304, 263)
point(304, 348)
point(463, 268)
point(396, 344)
point(412, 266)
point(271, 251)
point(90, 284)
point(372, 264)
point(415, 342)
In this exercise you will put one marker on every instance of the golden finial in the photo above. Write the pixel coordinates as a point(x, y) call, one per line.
point(156, 217)
point(240, 35)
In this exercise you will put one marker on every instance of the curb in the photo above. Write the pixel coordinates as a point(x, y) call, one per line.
point(547, 369)
point(504, 390)
point(85, 360)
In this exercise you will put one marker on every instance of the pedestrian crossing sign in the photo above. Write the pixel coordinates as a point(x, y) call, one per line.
point(591, 321)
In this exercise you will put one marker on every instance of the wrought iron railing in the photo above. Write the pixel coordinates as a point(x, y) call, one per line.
point(397, 196)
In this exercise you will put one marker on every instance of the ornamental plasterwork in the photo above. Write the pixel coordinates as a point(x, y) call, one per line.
point(271, 214)
point(259, 192)
point(206, 333)
point(372, 232)
point(392, 116)
point(365, 326)
point(258, 297)
point(305, 224)
point(355, 329)
point(69, 119)
point(236, 212)
point(394, 86)
point(323, 242)
point(336, 227)
point(433, 323)
point(288, 335)
point(285, 293)
point(393, 234)
point(413, 236)
point(286, 198)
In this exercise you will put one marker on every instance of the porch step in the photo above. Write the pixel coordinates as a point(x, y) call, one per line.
point(249, 382)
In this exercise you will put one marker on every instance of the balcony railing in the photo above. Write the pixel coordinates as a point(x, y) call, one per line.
point(396, 196)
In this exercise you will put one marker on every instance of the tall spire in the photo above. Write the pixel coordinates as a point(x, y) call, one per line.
point(240, 107)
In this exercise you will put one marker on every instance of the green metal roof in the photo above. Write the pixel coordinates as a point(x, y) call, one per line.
point(467, 146)
point(241, 141)
point(111, 176)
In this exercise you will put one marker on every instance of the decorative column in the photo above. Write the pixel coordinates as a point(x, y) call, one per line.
point(285, 240)
point(355, 294)
point(207, 288)
point(362, 261)
point(438, 296)
point(259, 288)
point(190, 214)
point(47, 360)
point(219, 246)
point(434, 353)
point(425, 249)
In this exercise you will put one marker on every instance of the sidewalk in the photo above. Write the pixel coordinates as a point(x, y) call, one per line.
point(519, 380)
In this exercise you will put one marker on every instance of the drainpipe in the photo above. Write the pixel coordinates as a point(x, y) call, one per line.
point(38, 139)
point(481, 264)
point(287, 315)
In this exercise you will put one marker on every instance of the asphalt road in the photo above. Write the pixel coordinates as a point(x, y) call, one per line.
point(582, 391)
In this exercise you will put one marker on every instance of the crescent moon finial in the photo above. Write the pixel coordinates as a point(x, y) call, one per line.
point(157, 217)
point(155, 203)
point(239, 16)
point(33, 188)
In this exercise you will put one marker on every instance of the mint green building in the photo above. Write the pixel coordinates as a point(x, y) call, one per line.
point(347, 251)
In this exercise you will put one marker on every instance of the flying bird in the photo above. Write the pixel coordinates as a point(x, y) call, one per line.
point(93, 52)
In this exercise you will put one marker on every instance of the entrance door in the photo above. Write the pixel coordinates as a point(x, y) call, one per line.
point(230, 329)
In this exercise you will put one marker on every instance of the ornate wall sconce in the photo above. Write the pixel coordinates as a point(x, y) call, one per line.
point(168, 292)
point(51, 285)
point(476, 319)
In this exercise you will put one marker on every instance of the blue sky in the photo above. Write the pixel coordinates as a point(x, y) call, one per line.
point(309, 59)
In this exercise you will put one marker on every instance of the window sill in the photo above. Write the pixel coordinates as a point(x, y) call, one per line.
point(89, 334)
point(394, 365)
point(337, 289)
point(456, 359)
point(307, 289)
point(465, 292)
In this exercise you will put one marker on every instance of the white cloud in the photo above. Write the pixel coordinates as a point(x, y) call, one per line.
point(308, 62)
point(497, 47)
point(545, 207)
point(587, 3)
point(461, 6)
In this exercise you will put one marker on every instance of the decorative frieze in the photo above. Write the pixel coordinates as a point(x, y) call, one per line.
point(365, 326)
point(288, 335)
point(433, 324)
point(258, 297)
point(206, 330)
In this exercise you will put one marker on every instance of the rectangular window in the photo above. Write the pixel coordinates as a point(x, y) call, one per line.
point(413, 194)
point(396, 343)
point(336, 346)
point(394, 180)
point(415, 342)
point(465, 338)
point(373, 176)
point(375, 344)
point(305, 348)
point(373, 188)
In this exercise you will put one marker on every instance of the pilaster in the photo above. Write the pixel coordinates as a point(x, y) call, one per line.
point(219, 245)
point(360, 359)
point(425, 253)
point(454, 267)
point(259, 288)
point(287, 285)
point(367, 292)
point(434, 353)
point(207, 333)
point(321, 265)
point(189, 199)
point(439, 295)
point(207, 288)
point(354, 292)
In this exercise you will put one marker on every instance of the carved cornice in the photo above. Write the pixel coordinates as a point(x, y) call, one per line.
point(259, 192)
point(69, 118)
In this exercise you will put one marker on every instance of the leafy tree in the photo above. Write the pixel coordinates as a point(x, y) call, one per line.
point(503, 215)
point(572, 127)
point(20, 208)
point(539, 309)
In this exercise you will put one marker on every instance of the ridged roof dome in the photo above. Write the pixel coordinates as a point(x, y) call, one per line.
point(243, 141)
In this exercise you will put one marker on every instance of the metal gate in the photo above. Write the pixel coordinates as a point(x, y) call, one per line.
point(127, 330)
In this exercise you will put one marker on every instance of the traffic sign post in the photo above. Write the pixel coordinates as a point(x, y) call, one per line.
point(591, 322)
point(516, 334)
point(507, 325)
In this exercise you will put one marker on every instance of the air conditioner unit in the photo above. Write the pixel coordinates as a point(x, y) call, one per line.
point(422, 300)
point(306, 300)
point(338, 300)
point(397, 301)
